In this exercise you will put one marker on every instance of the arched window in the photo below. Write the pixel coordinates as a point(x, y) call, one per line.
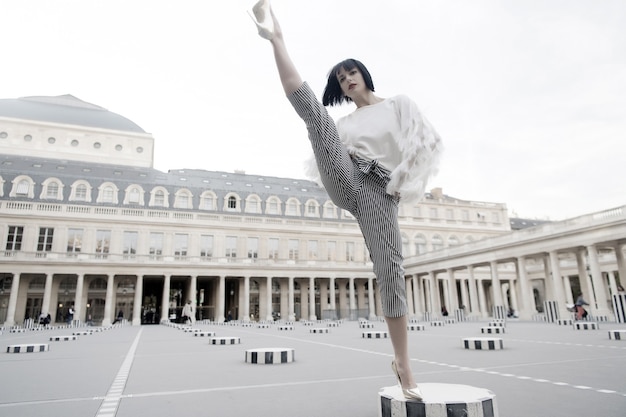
point(420, 244)
point(437, 242)
point(108, 193)
point(453, 241)
point(134, 195)
point(293, 207)
point(159, 197)
point(232, 203)
point(81, 191)
point(312, 209)
point(207, 201)
point(52, 190)
point(253, 204)
point(330, 211)
point(183, 199)
point(272, 206)
point(23, 186)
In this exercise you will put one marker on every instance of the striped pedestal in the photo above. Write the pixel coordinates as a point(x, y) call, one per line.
point(450, 321)
point(586, 326)
point(270, 356)
point(497, 323)
point(204, 334)
point(492, 330)
point(619, 307)
point(63, 338)
point(437, 323)
point(332, 324)
point(224, 340)
point(319, 330)
point(483, 343)
point(31, 348)
point(440, 400)
point(285, 327)
point(17, 331)
point(366, 325)
point(617, 334)
point(564, 322)
point(263, 326)
point(415, 327)
point(375, 335)
point(83, 333)
point(190, 330)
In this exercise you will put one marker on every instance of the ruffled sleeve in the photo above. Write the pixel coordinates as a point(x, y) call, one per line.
point(421, 149)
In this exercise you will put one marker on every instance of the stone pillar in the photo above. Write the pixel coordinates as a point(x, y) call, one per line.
point(333, 296)
point(409, 296)
point(557, 284)
point(567, 287)
point(47, 294)
point(304, 299)
point(464, 295)
point(360, 296)
point(371, 299)
point(612, 283)
point(513, 295)
point(585, 282)
point(324, 313)
point(528, 305)
point(108, 301)
point(473, 295)
point(352, 299)
point(165, 299)
point(482, 300)
point(429, 293)
point(312, 315)
point(137, 301)
point(246, 299)
point(453, 294)
point(78, 297)
point(192, 292)
point(268, 300)
point(621, 265)
point(496, 287)
point(15, 286)
point(291, 309)
point(602, 307)
point(221, 300)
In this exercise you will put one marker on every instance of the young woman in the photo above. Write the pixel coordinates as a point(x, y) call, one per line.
point(383, 151)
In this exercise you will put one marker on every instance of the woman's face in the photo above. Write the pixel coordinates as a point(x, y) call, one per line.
point(351, 81)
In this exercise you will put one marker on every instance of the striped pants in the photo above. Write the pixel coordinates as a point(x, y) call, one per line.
point(358, 186)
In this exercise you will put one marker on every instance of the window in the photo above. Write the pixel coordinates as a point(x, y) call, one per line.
point(206, 246)
point(449, 214)
point(207, 201)
point(232, 203)
point(183, 199)
point(231, 247)
point(134, 195)
point(253, 247)
point(420, 244)
point(312, 250)
point(331, 250)
point(158, 198)
point(74, 240)
point(273, 206)
point(44, 243)
point(350, 251)
point(107, 195)
point(156, 245)
point(52, 190)
point(433, 213)
point(130, 244)
point(181, 243)
point(453, 241)
point(14, 238)
point(294, 245)
point(329, 211)
point(103, 242)
point(80, 192)
point(465, 216)
point(272, 248)
point(252, 206)
point(293, 207)
point(437, 242)
point(23, 188)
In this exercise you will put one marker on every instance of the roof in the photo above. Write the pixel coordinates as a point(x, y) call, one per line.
point(65, 109)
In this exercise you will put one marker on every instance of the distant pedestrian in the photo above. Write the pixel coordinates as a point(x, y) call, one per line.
point(581, 313)
point(187, 314)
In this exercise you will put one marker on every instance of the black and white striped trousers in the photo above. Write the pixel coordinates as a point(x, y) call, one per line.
point(358, 186)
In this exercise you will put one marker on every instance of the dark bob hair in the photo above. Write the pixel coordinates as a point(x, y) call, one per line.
point(332, 93)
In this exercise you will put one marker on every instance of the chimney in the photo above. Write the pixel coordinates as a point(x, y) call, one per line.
point(437, 193)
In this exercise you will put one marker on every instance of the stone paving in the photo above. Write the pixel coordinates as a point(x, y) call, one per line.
point(543, 370)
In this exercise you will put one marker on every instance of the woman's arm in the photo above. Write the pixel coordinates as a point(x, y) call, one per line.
point(289, 76)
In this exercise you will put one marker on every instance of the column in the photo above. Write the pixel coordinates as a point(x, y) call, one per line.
point(78, 297)
point(360, 296)
point(221, 298)
point(312, 315)
point(192, 292)
point(333, 296)
point(557, 284)
point(268, 300)
point(496, 287)
point(47, 294)
point(473, 295)
point(602, 308)
point(513, 294)
point(621, 264)
point(371, 298)
point(612, 284)
point(482, 300)
point(453, 294)
point(352, 299)
point(324, 313)
point(416, 297)
point(585, 282)
point(246, 299)
point(137, 301)
point(291, 303)
point(409, 296)
point(15, 286)
point(567, 287)
point(528, 305)
point(108, 301)
point(165, 299)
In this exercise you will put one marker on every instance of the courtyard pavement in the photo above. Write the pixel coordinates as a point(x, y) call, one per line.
point(132, 371)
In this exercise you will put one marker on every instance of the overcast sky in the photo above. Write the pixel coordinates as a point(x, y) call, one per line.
point(529, 96)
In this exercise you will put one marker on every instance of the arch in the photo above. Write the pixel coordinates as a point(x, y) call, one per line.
point(208, 201)
point(52, 189)
point(330, 210)
point(134, 195)
point(273, 205)
point(453, 241)
point(312, 208)
point(253, 204)
point(98, 284)
point(159, 197)
point(292, 207)
point(437, 242)
point(23, 186)
point(80, 191)
point(183, 199)
point(107, 193)
point(232, 202)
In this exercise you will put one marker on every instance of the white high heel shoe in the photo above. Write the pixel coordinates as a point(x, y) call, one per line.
point(409, 393)
point(262, 18)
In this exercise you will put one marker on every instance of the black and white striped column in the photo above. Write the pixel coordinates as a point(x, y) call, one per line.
point(440, 400)
point(270, 356)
